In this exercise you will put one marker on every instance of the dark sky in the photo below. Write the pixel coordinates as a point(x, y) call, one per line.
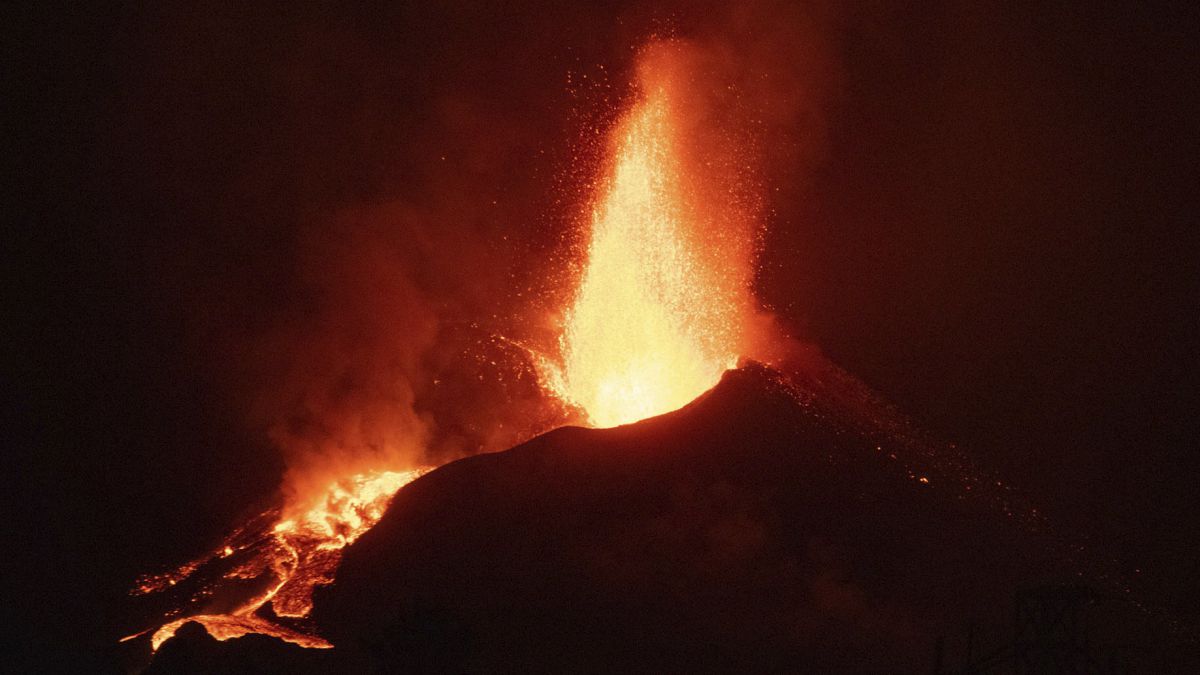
point(985, 214)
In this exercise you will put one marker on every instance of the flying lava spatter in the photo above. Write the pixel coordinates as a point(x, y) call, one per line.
point(653, 324)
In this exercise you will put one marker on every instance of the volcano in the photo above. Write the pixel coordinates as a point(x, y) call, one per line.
point(785, 520)
point(715, 513)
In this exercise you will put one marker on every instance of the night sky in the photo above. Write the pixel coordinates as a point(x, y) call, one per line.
point(986, 214)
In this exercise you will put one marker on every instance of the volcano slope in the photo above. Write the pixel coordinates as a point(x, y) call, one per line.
point(782, 521)
point(787, 520)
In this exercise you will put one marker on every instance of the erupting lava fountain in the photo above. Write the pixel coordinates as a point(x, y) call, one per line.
point(662, 304)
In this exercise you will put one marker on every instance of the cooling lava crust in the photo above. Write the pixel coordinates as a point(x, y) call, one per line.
point(779, 522)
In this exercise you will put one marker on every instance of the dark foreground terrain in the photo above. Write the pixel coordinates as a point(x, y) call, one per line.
point(781, 522)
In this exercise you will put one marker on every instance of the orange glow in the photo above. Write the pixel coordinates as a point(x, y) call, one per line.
point(286, 554)
point(314, 537)
point(655, 320)
point(225, 627)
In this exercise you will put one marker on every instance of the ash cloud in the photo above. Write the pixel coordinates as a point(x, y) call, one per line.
point(342, 362)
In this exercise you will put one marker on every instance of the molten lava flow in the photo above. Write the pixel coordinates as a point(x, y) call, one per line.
point(228, 626)
point(653, 324)
point(279, 557)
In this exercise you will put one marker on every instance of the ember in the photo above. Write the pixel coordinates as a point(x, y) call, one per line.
point(654, 321)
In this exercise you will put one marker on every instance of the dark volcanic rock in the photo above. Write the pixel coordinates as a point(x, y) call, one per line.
point(776, 523)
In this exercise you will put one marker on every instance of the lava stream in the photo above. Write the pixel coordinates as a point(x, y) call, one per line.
point(286, 553)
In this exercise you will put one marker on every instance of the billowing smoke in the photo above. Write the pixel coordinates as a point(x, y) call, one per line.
point(344, 361)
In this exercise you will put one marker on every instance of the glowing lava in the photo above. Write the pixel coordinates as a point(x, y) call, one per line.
point(280, 556)
point(654, 322)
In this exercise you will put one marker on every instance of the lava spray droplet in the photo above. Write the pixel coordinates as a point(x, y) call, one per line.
point(655, 320)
